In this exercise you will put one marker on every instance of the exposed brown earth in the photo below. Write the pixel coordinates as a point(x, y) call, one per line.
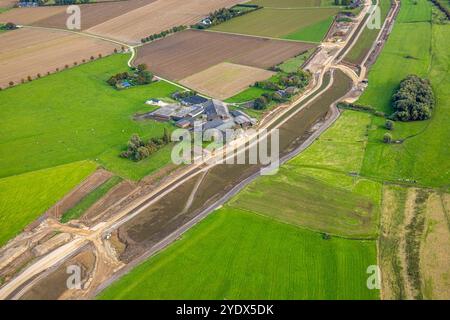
point(156, 17)
point(120, 191)
point(54, 286)
point(28, 16)
point(94, 13)
point(7, 3)
point(29, 52)
point(188, 52)
point(56, 16)
point(77, 194)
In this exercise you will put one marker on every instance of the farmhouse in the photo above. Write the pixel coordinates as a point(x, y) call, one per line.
point(192, 100)
point(164, 113)
point(216, 110)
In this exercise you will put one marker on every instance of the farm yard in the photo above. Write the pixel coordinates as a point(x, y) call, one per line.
point(264, 259)
point(29, 52)
point(225, 79)
point(155, 17)
point(296, 24)
point(188, 52)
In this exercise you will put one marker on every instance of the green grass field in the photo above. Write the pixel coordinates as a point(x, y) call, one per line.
point(340, 148)
point(80, 208)
point(23, 198)
point(295, 197)
point(248, 94)
point(234, 254)
point(320, 189)
point(367, 37)
point(313, 33)
point(282, 23)
point(292, 65)
point(73, 115)
point(424, 154)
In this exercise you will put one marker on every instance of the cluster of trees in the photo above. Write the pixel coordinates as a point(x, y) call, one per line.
point(139, 77)
point(224, 14)
point(298, 80)
point(265, 99)
point(414, 100)
point(163, 34)
point(178, 95)
point(8, 26)
point(138, 149)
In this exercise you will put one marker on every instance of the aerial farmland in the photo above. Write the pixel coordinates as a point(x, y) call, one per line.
point(126, 140)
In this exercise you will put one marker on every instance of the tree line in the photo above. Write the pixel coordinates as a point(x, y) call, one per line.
point(224, 14)
point(163, 34)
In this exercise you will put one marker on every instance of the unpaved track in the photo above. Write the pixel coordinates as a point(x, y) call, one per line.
point(58, 255)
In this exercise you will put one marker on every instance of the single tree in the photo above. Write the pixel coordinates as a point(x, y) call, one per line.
point(387, 138)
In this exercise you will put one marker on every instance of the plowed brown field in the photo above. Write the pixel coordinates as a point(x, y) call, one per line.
point(157, 16)
point(55, 17)
point(7, 3)
point(27, 52)
point(188, 52)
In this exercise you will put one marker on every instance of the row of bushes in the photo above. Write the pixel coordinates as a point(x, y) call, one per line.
point(138, 149)
point(163, 34)
point(360, 107)
point(224, 14)
point(39, 75)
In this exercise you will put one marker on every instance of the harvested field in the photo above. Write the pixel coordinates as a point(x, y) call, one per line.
point(7, 3)
point(27, 52)
point(156, 17)
point(94, 13)
point(28, 16)
point(225, 79)
point(188, 52)
point(278, 23)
